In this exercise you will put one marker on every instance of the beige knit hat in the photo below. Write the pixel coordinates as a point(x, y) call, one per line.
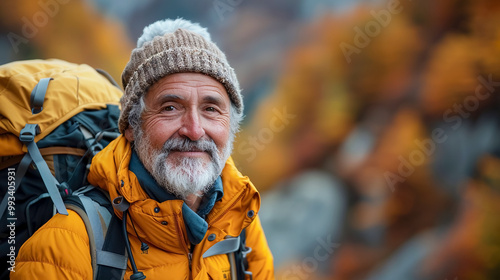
point(174, 46)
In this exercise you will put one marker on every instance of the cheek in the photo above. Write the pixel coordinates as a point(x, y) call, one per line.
point(219, 132)
point(159, 131)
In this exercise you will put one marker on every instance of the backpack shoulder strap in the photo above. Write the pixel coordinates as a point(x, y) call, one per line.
point(107, 247)
point(241, 258)
point(236, 250)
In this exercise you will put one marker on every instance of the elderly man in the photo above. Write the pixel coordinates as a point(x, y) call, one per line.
point(180, 112)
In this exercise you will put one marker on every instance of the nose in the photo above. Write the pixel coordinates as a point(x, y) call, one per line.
point(191, 127)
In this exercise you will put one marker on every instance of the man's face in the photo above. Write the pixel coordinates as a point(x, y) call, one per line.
point(185, 137)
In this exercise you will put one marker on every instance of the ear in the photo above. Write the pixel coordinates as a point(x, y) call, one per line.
point(129, 134)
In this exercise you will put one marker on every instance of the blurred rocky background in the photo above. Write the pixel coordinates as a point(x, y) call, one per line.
point(372, 127)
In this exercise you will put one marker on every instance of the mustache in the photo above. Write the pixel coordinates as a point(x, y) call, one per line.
point(188, 145)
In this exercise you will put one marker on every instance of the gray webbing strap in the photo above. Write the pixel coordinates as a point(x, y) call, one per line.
point(111, 259)
point(83, 190)
point(38, 95)
point(95, 221)
point(87, 135)
point(102, 257)
point(27, 137)
point(21, 170)
point(225, 246)
point(106, 216)
point(103, 212)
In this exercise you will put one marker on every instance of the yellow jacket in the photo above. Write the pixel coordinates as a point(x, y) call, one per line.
point(60, 248)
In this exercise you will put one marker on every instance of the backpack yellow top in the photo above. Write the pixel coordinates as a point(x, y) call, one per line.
point(74, 88)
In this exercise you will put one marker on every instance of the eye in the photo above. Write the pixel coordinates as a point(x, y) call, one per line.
point(210, 109)
point(168, 108)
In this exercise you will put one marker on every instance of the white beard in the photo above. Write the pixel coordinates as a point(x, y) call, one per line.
point(188, 175)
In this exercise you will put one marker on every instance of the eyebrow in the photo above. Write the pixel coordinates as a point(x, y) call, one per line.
point(213, 99)
point(169, 97)
point(174, 97)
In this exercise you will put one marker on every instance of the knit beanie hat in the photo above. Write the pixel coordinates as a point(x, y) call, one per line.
point(174, 46)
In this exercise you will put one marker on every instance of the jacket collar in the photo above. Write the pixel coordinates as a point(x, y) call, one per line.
point(196, 226)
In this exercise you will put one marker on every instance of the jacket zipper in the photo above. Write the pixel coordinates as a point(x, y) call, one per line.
point(190, 258)
point(183, 242)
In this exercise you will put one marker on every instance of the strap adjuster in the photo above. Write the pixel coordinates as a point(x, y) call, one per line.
point(29, 132)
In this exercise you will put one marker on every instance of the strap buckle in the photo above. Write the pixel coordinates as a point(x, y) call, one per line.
point(64, 189)
point(29, 132)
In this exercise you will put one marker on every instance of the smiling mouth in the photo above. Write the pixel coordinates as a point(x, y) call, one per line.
point(191, 152)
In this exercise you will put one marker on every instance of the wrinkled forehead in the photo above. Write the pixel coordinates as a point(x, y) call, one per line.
point(184, 86)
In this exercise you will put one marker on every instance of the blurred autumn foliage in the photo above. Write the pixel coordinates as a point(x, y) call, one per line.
point(368, 118)
point(71, 30)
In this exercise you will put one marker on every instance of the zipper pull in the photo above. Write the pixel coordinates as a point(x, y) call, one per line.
point(190, 258)
point(144, 248)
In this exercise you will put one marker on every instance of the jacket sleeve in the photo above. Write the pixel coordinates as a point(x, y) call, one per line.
point(58, 250)
point(260, 260)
